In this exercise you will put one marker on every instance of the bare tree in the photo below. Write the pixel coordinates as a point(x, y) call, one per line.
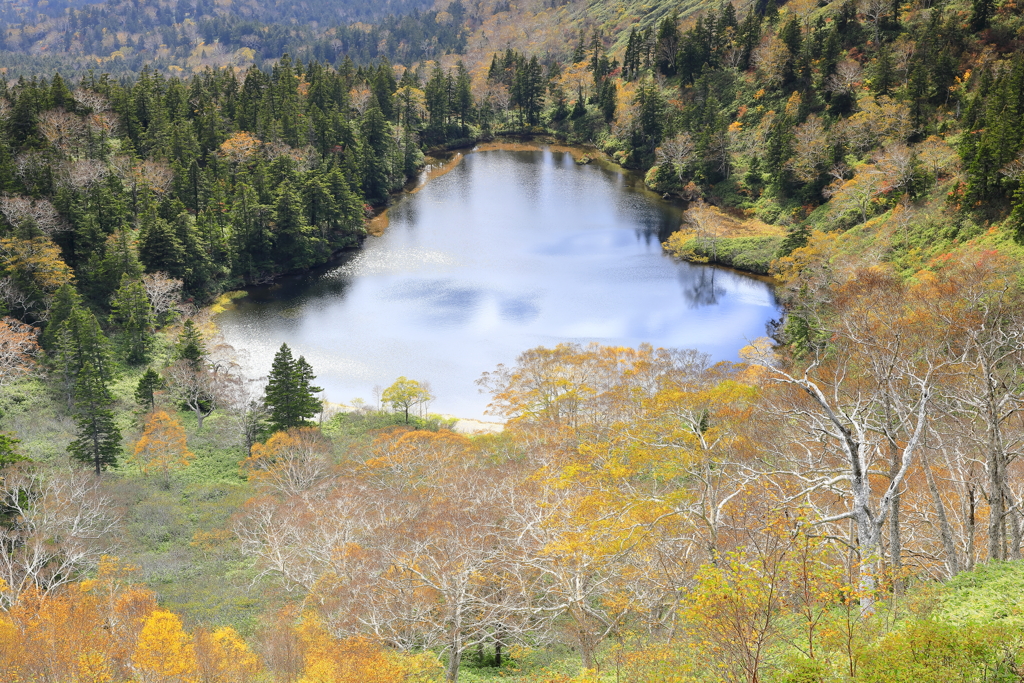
point(811, 149)
point(91, 100)
point(40, 212)
point(291, 463)
point(896, 164)
point(244, 399)
point(15, 297)
point(163, 291)
point(62, 129)
point(83, 173)
point(198, 389)
point(18, 349)
point(705, 224)
point(63, 522)
point(875, 11)
point(847, 76)
point(863, 409)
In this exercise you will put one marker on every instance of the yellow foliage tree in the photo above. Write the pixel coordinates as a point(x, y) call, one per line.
point(162, 447)
point(223, 657)
point(36, 268)
point(357, 659)
point(241, 146)
point(165, 652)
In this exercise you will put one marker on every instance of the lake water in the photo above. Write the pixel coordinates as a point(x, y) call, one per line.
point(507, 251)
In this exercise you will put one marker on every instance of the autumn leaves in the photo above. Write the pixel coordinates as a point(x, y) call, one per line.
point(110, 629)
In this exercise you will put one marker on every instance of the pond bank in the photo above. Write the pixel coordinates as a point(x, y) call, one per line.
point(498, 253)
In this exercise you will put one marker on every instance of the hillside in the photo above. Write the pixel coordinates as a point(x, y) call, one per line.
point(843, 505)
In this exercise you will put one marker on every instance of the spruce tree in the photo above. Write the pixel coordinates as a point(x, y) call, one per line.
point(190, 346)
point(159, 247)
point(64, 301)
point(99, 440)
point(145, 391)
point(80, 341)
point(290, 394)
point(132, 312)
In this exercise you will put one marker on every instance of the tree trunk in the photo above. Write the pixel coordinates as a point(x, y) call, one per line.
point(971, 527)
point(945, 530)
point(499, 635)
point(451, 673)
point(896, 545)
point(996, 470)
point(1013, 520)
point(997, 509)
point(96, 447)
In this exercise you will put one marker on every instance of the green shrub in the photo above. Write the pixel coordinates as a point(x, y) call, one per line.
point(930, 650)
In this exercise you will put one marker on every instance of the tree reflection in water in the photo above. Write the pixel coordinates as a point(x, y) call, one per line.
point(699, 288)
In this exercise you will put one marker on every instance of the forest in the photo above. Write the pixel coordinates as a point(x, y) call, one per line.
point(844, 504)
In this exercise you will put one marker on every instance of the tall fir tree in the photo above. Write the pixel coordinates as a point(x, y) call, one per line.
point(145, 391)
point(190, 345)
point(98, 442)
point(79, 341)
point(290, 394)
point(132, 312)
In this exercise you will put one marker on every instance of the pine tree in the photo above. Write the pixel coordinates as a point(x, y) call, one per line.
point(145, 391)
point(159, 247)
point(99, 440)
point(64, 301)
point(80, 341)
point(190, 346)
point(132, 312)
point(290, 394)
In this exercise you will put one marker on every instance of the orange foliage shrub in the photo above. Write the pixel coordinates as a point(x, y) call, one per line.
point(162, 447)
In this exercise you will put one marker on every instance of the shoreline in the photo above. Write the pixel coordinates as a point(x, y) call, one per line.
point(436, 167)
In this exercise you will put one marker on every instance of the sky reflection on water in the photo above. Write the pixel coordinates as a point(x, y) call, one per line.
point(508, 251)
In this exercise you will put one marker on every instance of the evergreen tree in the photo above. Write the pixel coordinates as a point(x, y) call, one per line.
point(297, 241)
point(149, 384)
point(159, 247)
point(99, 440)
point(883, 77)
point(9, 453)
point(64, 301)
point(438, 105)
point(79, 341)
point(190, 346)
point(290, 394)
point(383, 86)
point(463, 100)
point(648, 126)
point(376, 142)
point(251, 239)
point(132, 312)
point(981, 12)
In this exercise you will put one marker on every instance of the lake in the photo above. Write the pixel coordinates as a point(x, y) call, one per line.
point(506, 251)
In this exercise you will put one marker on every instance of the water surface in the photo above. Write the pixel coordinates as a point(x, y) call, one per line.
point(507, 251)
